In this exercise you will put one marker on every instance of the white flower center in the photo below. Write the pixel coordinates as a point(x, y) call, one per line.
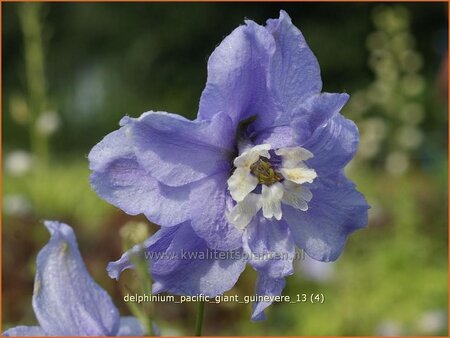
point(278, 185)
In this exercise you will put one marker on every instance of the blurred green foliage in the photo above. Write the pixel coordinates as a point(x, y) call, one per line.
point(102, 61)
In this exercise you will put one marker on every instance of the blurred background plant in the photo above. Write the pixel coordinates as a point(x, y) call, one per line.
point(72, 70)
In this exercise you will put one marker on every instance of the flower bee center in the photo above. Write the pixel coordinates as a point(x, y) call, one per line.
point(264, 172)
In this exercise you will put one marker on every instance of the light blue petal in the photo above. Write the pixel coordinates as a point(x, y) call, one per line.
point(314, 113)
point(295, 86)
point(294, 72)
point(181, 263)
point(333, 145)
point(266, 286)
point(177, 151)
point(270, 247)
point(154, 250)
point(335, 211)
point(118, 178)
point(66, 300)
point(24, 331)
point(278, 136)
point(202, 270)
point(237, 76)
point(114, 146)
point(130, 326)
point(210, 201)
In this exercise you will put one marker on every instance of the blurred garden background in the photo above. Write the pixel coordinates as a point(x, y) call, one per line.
point(70, 71)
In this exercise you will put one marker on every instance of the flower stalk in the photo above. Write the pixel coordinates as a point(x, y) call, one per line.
point(199, 318)
point(30, 21)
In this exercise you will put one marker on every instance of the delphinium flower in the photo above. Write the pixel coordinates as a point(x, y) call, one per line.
point(66, 300)
point(257, 173)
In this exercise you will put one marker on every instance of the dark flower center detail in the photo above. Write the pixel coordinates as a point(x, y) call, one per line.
point(264, 171)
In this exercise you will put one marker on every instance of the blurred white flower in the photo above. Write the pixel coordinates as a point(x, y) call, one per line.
point(389, 328)
point(409, 137)
point(18, 162)
point(16, 205)
point(47, 123)
point(433, 321)
point(397, 163)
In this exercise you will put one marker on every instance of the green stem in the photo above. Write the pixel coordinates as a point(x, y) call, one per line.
point(146, 313)
point(30, 15)
point(199, 319)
